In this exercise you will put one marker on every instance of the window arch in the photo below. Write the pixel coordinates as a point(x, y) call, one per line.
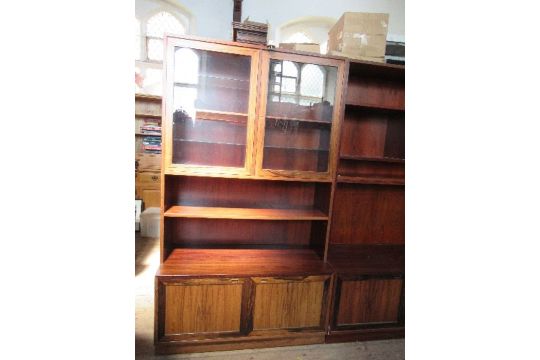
point(156, 26)
point(312, 84)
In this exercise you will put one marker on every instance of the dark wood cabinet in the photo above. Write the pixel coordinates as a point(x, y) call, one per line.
point(282, 198)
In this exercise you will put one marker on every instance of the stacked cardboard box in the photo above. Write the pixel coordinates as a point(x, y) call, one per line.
point(308, 47)
point(359, 36)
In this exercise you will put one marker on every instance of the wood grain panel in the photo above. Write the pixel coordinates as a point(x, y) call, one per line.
point(369, 301)
point(368, 214)
point(363, 134)
point(287, 304)
point(202, 308)
point(242, 262)
point(237, 233)
point(240, 193)
point(374, 169)
point(244, 213)
point(376, 92)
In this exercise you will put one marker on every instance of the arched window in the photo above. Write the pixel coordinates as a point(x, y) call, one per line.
point(156, 26)
point(312, 85)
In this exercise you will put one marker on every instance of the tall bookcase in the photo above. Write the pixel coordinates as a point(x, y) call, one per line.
point(251, 174)
point(367, 236)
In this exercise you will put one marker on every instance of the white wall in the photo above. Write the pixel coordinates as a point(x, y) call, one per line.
point(208, 18)
point(280, 12)
point(212, 18)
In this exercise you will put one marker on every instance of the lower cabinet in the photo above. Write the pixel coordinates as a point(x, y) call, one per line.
point(290, 303)
point(234, 313)
point(368, 307)
point(202, 306)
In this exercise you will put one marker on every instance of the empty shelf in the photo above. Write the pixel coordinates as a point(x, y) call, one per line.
point(244, 213)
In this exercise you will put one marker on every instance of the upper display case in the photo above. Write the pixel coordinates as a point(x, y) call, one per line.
point(211, 91)
point(245, 111)
point(299, 113)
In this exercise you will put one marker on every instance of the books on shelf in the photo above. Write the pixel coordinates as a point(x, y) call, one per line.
point(151, 144)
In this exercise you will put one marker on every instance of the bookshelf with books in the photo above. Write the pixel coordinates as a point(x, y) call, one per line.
point(148, 149)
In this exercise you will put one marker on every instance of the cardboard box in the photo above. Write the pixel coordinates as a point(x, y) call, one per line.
point(359, 35)
point(357, 57)
point(308, 47)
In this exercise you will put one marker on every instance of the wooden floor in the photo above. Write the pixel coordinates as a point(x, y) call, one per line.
point(146, 264)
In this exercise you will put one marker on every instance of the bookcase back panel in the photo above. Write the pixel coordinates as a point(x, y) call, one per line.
point(371, 169)
point(296, 159)
point(238, 193)
point(377, 92)
point(368, 214)
point(373, 133)
point(229, 233)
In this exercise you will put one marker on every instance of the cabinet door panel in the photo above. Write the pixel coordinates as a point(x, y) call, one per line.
point(369, 301)
point(299, 116)
point(210, 107)
point(286, 304)
point(207, 307)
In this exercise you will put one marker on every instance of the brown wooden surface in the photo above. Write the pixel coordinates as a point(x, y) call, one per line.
point(238, 233)
point(240, 193)
point(202, 308)
point(369, 301)
point(370, 180)
point(371, 169)
point(283, 303)
point(217, 224)
point(242, 262)
point(373, 134)
point(244, 213)
point(367, 259)
point(240, 342)
point(368, 214)
point(365, 334)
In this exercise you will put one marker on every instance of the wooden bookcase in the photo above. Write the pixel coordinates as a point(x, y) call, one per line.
point(367, 234)
point(251, 171)
point(147, 126)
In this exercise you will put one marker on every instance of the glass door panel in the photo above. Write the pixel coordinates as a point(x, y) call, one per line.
point(299, 116)
point(210, 107)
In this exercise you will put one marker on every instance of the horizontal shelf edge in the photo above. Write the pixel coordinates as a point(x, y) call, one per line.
point(369, 180)
point(243, 213)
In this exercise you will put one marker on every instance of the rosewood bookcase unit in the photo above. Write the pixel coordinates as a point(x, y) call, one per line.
point(367, 235)
point(251, 154)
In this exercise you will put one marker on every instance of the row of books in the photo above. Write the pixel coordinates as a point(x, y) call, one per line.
point(151, 144)
point(151, 129)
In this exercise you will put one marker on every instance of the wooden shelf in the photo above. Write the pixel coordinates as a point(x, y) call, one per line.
point(298, 119)
point(243, 262)
point(221, 116)
point(367, 259)
point(293, 148)
point(148, 116)
point(369, 180)
point(148, 97)
point(207, 142)
point(143, 134)
point(376, 159)
point(375, 106)
point(244, 213)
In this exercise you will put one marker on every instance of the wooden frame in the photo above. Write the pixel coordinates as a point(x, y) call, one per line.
point(268, 232)
point(336, 117)
point(167, 125)
point(400, 319)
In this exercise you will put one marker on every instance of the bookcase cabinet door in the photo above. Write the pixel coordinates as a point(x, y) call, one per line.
point(210, 105)
point(369, 302)
point(299, 116)
point(290, 303)
point(199, 307)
